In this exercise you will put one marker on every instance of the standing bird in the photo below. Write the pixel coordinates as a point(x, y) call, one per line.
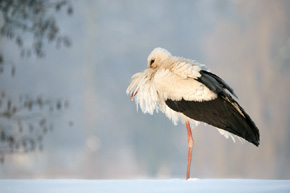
point(184, 89)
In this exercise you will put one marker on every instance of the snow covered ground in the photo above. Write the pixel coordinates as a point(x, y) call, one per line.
point(148, 186)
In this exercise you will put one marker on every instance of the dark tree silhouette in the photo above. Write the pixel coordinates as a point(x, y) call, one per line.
point(25, 121)
point(30, 24)
point(34, 18)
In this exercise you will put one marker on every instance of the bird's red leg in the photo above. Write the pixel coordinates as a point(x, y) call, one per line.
point(190, 146)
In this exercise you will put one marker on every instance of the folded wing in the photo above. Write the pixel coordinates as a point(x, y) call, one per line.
point(222, 111)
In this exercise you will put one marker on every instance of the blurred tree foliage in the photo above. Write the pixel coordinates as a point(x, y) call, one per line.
point(34, 17)
point(30, 24)
point(25, 121)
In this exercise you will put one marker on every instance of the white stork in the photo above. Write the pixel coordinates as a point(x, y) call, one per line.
point(184, 89)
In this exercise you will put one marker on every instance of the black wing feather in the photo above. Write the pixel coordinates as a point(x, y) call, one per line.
point(215, 83)
point(223, 112)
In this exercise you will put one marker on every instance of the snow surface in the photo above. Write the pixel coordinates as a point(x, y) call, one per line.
point(148, 186)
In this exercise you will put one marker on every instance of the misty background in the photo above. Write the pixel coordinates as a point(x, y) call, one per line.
point(102, 136)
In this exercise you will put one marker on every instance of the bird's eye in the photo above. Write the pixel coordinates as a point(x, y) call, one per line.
point(151, 62)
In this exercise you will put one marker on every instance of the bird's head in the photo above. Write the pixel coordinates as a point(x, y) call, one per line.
point(157, 56)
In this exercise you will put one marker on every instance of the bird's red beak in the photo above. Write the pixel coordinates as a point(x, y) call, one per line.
point(133, 94)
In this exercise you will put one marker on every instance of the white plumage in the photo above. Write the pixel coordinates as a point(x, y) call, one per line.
point(184, 89)
point(173, 79)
